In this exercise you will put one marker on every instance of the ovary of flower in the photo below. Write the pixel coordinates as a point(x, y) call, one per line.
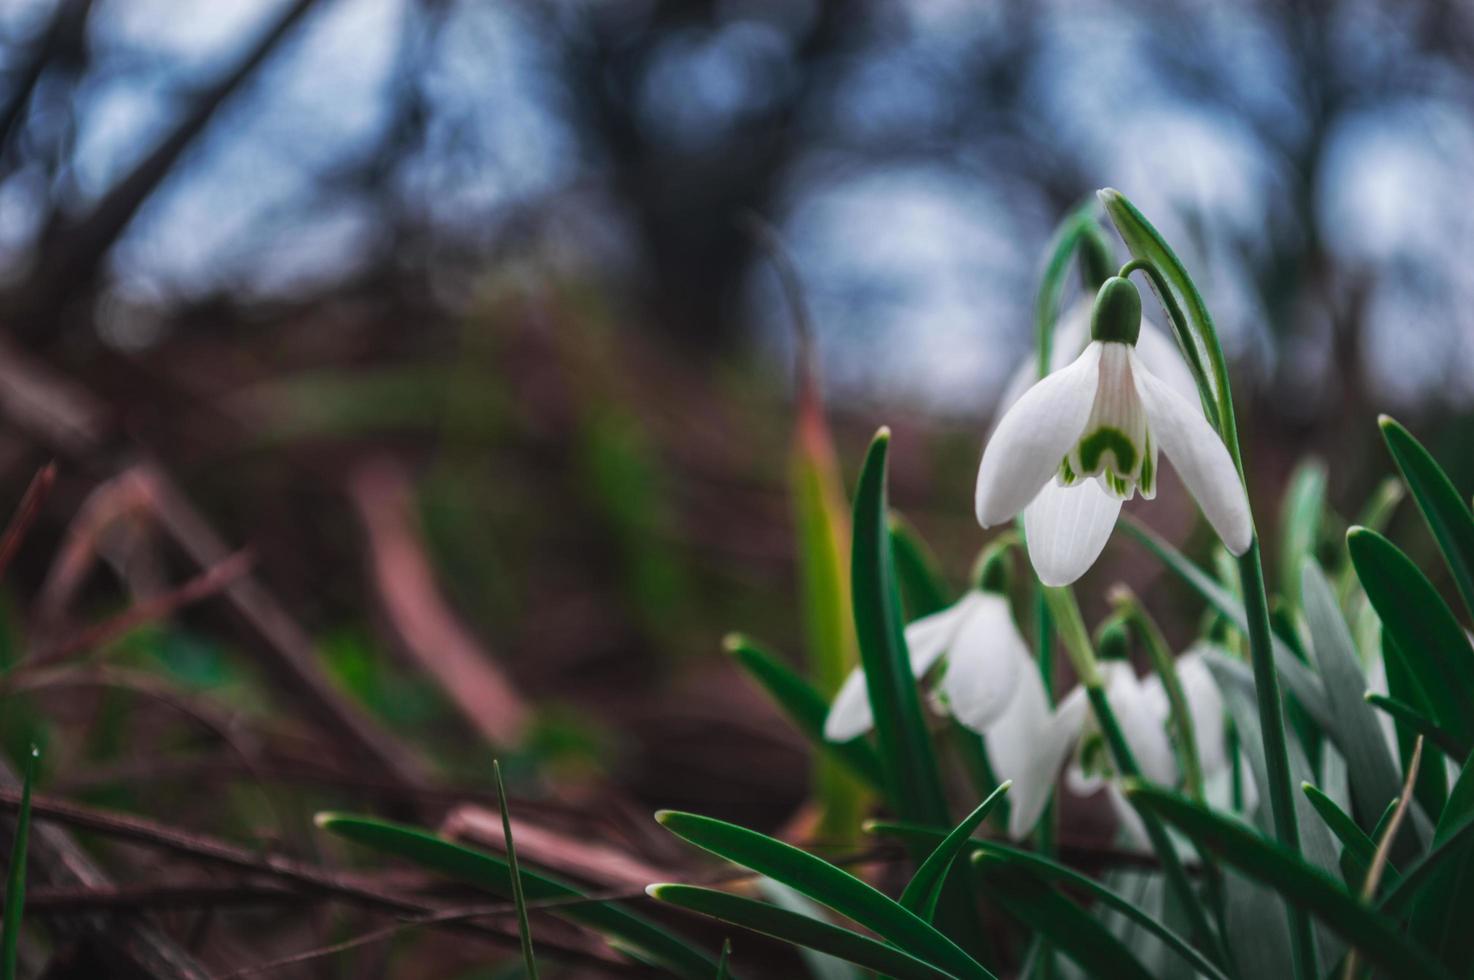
point(992, 686)
point(1105, 416)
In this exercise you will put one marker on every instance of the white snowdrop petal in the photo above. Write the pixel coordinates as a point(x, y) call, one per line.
point(1200, 458)
point(1033, 437)
point(984, 664)
point(927, 639)
point(1205, 704)
point(1143, 727)
point(1028, 744)
point(1066, 529)
point(849, 716)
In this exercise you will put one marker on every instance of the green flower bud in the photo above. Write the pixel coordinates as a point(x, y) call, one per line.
point(1117, 313)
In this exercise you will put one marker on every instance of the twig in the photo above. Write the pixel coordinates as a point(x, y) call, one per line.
point(25, 514)
point(208, 583)
point(429, 629)
point(1384, 846)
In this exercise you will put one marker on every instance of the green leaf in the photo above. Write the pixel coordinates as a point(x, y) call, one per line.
point(1069, 928)
point(910, 767)
point(1044, 868)
point(623, 928)
point(822, 533)
point(1078, 225)
point(825, 884)
point(15, 882)
point(1300, 680)
point(821, 966)
point(921, 893)
point(1415, 723)
point(524, 929)
point(1296, 881)
point(1300, 521)
point(1353, 727)
point(922, 584)
point(1432, 644)
point(1447, 515)
point(804, 706)
point(1440, 918)
point(722, 973)
point(1431, 790)
point(1357, 848)
point(800, 930)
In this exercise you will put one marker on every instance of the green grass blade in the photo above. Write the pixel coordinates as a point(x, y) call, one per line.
point(1414, 722)
point(825, 884)
point(1456, 842)
point(524, 928)
point(1432, 644)
point(822, 538)
point(800, 930)
point(1070, 929)
point(1299, 883)
point(921, 893)
point(1300, 521)
point(15, 881)
point(623, 928)
point(722, 973)
point(1300, 680)
point(1045, 868)
point(1447, 515)
point(912, 779)
point(805, 707)
point(1354, 728)
point(922, 584)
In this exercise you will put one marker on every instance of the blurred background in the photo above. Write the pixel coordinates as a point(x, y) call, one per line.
point(450, 313)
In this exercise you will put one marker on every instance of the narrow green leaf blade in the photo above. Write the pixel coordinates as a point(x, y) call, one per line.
point(1354, 728)
point(1414, 722)
point(1070, 929)
point(1044, 868)
point(915, 786)
point(805, 707)
point(1447, 515)
point(922, 584)
point(492, 873)
point(1300, 522)
point(1296, 881)
point(15, 882)
point(1431, 642)
point(800, 930)
point(920, 894)
point(524, 928)
point(1441, 916)
point(825, 884)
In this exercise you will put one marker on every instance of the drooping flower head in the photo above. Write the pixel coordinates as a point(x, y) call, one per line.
point(1093, 430)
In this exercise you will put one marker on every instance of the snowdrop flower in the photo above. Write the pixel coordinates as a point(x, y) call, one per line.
point(1105, 415)
point(992, 686)
point(1144, 713)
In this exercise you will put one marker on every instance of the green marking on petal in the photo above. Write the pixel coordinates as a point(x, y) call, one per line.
point(1093, 446)
point(1067, 474)
point(1148, 478)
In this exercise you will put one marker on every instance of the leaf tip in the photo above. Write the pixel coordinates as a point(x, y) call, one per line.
point(655, 891)
point(733, 642)
point(664, 817)
point(324, 819)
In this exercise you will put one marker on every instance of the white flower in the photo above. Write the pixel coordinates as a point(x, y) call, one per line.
point(1144, 713)
point(1105, 415)
point(991, 685)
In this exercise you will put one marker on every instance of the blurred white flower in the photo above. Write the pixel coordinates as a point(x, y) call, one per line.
point(992, 686)
point(1144, 713)
point(1104, 415)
